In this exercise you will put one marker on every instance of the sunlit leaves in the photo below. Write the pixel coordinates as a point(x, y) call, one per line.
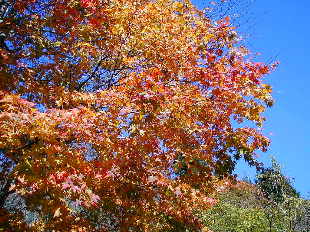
point(126, 109)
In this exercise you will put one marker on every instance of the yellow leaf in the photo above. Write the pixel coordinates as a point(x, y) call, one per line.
point(178, 5)
point(208, 37)
point(57, 213)
point(58, 43)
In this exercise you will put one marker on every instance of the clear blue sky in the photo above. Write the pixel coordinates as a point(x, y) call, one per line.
point(282, 28)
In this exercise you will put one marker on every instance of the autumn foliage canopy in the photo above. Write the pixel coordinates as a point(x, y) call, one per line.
point(123, 115)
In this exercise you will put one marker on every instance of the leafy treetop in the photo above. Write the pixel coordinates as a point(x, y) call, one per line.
point(103, 102)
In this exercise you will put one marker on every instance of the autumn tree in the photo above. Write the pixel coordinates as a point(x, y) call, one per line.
point(103, 103)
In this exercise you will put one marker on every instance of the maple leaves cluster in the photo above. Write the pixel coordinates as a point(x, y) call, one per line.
point(124, 109)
